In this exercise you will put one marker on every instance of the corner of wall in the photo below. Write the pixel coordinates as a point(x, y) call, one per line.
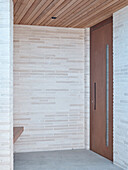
point(120, 87)
point(6, 85)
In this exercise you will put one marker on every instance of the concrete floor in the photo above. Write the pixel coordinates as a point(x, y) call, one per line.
point(63, 160)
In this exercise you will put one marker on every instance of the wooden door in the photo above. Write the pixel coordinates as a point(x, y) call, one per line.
point(101, 87)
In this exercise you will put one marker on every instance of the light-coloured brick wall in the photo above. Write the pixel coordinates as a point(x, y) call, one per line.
point(120, 61)
point(6, 85)
point(49, 88)
point(87, 88)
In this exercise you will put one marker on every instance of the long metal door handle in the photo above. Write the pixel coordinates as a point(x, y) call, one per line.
point(107, 95)
point(94, 96)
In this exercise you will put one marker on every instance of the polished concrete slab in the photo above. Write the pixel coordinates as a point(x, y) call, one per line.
point(62, 160)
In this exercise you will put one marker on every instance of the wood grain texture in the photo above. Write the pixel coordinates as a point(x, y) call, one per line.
point(6, 85)
point(17, 131)
point(69, 13)
point(100, 36)
point(49, 88)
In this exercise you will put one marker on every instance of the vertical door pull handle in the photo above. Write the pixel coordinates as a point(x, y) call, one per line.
point(94, 96)
point(107, 95)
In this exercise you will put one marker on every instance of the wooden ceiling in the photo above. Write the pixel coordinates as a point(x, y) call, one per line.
point(69, 13)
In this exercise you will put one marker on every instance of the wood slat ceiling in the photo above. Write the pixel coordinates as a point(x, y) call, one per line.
point(69, 13)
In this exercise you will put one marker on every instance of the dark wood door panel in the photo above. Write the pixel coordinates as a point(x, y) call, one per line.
point(101, 99)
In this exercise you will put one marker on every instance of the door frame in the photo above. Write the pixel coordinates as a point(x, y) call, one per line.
point(110, 19)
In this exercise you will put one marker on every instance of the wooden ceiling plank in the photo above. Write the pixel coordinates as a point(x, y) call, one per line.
point(96, 18)
point(102, 15)
point(32, 11)
point(118, 7)
point(56, 7)
point(100, 19)
point(38, 12)
point(95, 22)
point(66, 8)
point(47, 11)
point(17, 6)
point(60, 8)
point(92, 12)
point(84, 10)
point(14, 2)
point(95, 12)
point(25, 11)
point(69, 11)
point(20, 10)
